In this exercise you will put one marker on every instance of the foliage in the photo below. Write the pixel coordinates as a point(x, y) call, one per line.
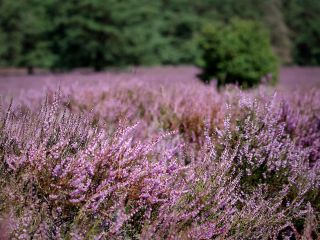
point(303, 19)
point(237, 53)
point(274, 19)
point(104, 33)
point(60, 34)
point(24, 28)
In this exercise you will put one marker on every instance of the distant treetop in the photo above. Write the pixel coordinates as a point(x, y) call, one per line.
point(58, 34)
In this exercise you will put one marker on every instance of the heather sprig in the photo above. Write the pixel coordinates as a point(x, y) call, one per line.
point(160, 160)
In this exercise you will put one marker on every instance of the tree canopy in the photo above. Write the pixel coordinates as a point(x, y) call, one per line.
point(60, 34)
point(239, 52)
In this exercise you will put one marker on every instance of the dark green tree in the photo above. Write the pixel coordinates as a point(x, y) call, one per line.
point(101, 33)
point(36, 44)
point(303, 18)
point(11, 28)
point(105, 33)
point(239, 52)
point(24, 28)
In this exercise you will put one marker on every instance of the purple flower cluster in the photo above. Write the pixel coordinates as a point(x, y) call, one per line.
point(150, 160)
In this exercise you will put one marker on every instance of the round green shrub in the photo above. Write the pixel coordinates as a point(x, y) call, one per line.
point(239, 52)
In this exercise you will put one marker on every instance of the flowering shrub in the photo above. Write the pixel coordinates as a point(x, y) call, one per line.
point(63, 166)
point(193, 167)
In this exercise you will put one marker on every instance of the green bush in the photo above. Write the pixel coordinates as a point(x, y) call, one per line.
point(239, 52)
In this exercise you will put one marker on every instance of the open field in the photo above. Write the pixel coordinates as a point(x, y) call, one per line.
point(152, 153)
point(14, 81)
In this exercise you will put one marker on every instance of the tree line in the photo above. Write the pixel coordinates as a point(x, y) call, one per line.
point(60, 35)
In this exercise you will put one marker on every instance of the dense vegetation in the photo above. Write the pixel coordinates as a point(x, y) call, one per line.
point(138, 158)
point(239, 52)
point(60, 34)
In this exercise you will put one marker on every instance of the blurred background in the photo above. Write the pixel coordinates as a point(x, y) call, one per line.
point(59, 35)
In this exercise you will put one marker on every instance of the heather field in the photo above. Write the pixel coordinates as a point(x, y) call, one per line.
point(153, 153)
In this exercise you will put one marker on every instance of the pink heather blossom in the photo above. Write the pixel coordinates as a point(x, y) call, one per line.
point(143, 158)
